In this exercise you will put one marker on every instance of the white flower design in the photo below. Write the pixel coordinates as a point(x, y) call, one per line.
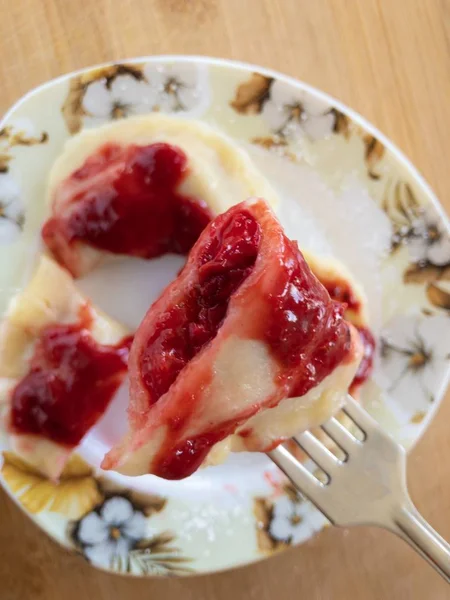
point(108, 534)
point(415, 354)
point(124, 96)
point(180, 88)
point(292, 113)
point(429, 240)
point(294, 521)
point(11, 209)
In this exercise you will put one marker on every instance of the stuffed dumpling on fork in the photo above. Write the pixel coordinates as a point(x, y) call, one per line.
point(242, 350)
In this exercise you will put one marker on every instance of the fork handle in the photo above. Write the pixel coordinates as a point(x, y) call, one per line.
point(413, 528)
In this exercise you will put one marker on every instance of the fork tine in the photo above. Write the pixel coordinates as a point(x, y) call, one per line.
point(297, 473)
point(357, 413)
point(339, 434)
point(317, 451)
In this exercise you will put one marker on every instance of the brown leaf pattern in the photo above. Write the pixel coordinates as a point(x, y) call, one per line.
point(11, 137)
point(251, 95)
point(418, 417)
point(438, 296)
point(403, 209)
point(147, 503)
point(263, 511)
point(374, 152)
point(426, 273)
point(158, 555)
point(276, 144)
point(342, 124)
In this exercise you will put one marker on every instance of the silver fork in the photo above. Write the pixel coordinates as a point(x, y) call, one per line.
point(367, 486)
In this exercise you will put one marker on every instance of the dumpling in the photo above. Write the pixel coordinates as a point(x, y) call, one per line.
point(61, 362)
point(244, 349)
point(143, 187)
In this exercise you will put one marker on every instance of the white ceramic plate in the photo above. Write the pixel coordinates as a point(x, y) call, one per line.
point(346, 191)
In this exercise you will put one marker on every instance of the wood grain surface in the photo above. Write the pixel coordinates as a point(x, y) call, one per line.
point(389, 60)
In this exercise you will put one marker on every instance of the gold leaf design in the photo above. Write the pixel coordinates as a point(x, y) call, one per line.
point(426, 273)
point(251, 95)
point(438, 296)
point(19, 138)
point(110, 73)
point(276, 144)
point(76, 493)
point(72, 108)
point(158, 555)
point(146, 503)
point(342, 123)
point(10, 137)
point(263, 511)
point(158, 543)
point(4, 161)
point(418, 418)
point(403, 209)
point(374, 152)
point(270, 142)
point(149, 504)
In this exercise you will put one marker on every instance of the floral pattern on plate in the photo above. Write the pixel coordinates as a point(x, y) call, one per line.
point(118, 525)
point(112, 527)
point(422, 231)
point(120, 91)
point(117, 535)
point(293, 114)
point(286, 520)
point(20, 132)
point(415, 354)
point(12, 215)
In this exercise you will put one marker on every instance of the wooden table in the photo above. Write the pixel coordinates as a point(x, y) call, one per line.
point(388, 59)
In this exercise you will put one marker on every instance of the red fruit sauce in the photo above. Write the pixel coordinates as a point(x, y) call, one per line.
point(306, 332)
point(125, 200)
point(187, 457)
point(182, 332)
point(366, 365)
point(70, 382)
point(341, 291)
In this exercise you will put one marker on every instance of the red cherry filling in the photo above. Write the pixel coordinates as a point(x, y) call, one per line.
point(342, 292)
point(181, 332)
point(282, 305)
point(304, 329)
point(70, 382)
point(125, 200)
